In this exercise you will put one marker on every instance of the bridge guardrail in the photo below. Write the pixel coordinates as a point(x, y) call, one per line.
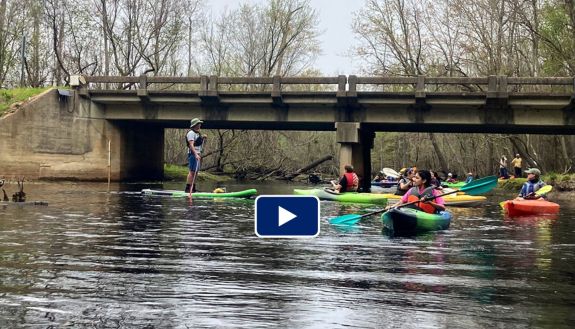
point(210, 87)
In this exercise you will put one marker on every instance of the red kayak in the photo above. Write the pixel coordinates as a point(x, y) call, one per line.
point(529, 207)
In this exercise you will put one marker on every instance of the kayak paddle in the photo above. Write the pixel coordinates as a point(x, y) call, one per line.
point(476, 187)
point(540, 192)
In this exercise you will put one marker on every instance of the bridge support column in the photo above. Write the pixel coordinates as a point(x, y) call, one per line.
point(355, 149)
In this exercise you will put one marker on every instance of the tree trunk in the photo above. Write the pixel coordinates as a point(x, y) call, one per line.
point(308, 167)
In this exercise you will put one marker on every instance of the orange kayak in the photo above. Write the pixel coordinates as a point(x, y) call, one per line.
point(529, 207)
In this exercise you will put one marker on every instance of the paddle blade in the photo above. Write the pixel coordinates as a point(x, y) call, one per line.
point(502, 204)
point(544, 190)
point(348, 219)
point(480, 186)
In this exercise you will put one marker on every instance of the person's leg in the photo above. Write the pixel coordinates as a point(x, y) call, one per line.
point(191, 172)
point(193, 183)
point(196, 170)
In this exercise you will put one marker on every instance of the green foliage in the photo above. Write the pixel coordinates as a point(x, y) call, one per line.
point(565, 178)
point(173, 172)
point(552, 177)
point(511, 184)
point(10, 96)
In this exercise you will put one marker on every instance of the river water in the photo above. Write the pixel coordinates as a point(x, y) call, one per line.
point(93, 259)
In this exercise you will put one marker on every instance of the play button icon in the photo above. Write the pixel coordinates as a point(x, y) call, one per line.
point(286, 216)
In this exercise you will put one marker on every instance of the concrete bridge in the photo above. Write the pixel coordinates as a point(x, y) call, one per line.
point(75, 128)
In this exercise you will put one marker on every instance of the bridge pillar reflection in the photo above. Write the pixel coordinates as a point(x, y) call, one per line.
point(355, 146)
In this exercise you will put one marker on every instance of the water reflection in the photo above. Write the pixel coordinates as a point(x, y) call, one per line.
point(96, 259)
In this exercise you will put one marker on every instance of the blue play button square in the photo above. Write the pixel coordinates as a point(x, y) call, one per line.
point(287, 216)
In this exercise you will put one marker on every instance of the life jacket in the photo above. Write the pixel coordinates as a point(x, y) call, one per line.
point(349, 176)
point(414, 195)
point(530, 187)
point(197, 142)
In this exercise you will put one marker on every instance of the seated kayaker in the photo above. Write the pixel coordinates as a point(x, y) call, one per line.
point(450, 178)
point(349, 182)
point(469, 178)
point(423, 191)
point(379, 177)
point(435, 179)
point(532, 185)
point(405, 182)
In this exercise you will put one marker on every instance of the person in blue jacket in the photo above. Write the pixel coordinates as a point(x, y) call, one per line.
point(532, 185)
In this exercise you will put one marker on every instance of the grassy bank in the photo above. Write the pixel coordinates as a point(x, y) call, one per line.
point(8, 97)
point(560, 182)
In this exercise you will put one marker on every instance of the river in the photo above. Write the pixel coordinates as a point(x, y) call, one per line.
point(93, 259)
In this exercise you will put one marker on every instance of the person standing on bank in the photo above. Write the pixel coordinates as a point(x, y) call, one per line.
point(516, 163)
point(195, 143)
point(503, 167)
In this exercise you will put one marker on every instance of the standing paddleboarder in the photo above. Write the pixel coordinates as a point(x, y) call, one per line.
point(195, 142)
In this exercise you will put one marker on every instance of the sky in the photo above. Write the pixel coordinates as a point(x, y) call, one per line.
point(336, 36)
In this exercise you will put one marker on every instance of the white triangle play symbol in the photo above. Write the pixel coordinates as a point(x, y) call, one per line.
point(284, 216)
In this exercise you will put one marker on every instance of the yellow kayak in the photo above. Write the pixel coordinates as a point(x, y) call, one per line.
point(451, 200)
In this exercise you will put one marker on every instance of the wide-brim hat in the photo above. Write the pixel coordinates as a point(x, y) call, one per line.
point(195, 121)
point(533, 171)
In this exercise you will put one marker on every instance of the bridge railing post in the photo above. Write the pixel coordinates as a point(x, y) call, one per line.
point(492, 86)
point(502, 87)
point(213, 86)
point(341, 84)
point(142, 90)
point(420, 87)
point(277, 89)
point(203, 86)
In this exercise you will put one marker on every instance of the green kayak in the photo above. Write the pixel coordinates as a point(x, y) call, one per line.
point(408, 221)
point(176, 193)
point(454, 185)
point(352, 197)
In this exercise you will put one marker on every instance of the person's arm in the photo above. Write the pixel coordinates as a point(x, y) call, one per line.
point(400, 202)
point(544, 196)
point(404, 186)
point(438, 203)
point(523, 191)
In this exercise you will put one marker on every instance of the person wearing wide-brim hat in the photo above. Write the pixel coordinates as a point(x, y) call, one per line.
point(532, 185)
point(195, 143)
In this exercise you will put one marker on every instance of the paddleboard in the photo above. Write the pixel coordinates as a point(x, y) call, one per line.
point(176, 193)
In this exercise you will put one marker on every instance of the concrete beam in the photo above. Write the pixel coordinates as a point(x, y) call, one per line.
point(347, 132)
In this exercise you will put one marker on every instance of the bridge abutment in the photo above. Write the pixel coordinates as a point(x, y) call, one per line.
point(58, 135)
